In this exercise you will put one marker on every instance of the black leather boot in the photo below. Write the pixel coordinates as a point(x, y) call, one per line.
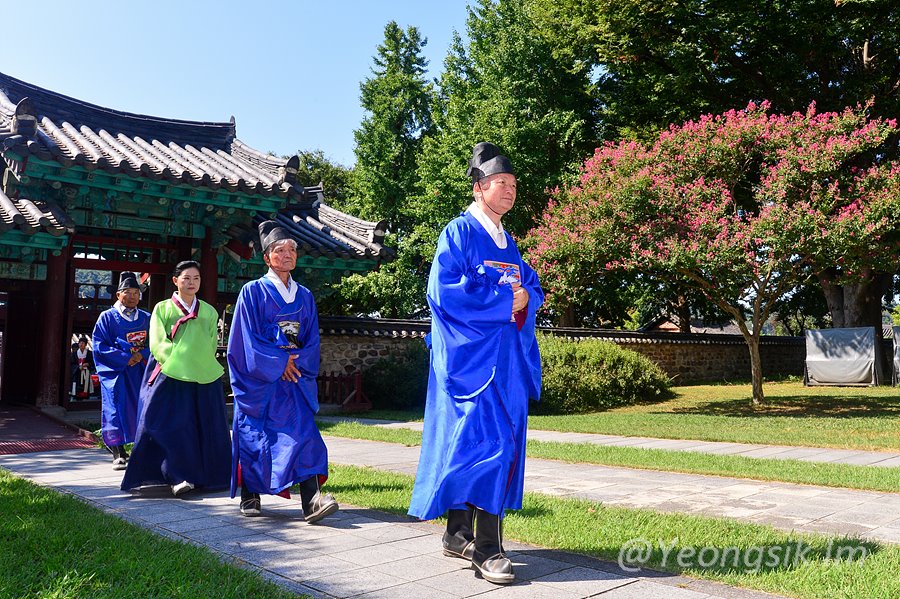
point(315, 505)
point(459, 539)
point(488, 557)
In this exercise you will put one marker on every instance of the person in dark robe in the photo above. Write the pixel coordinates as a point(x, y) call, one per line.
point(82, 365)
point(484, 367)
point(273, 359)
point(182, 434)
point(121, 351)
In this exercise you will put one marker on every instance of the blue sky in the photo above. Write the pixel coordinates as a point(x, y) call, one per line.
point(288, 71)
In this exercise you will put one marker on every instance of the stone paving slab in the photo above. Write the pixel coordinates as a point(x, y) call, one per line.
point(788, 506)
point(778, 452)
point(357, 552)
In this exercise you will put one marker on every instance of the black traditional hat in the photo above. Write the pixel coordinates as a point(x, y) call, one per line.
point(270, 232)
point(487, 160)
point(128, 280)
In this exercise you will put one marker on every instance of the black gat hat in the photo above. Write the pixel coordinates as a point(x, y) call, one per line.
point(270, 232)
point(487, 160)
point(128, 280)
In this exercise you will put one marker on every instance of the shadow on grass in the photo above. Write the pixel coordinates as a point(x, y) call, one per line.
point(799, 406)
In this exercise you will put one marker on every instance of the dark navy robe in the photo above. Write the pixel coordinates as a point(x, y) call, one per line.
point(274, 436)
point(483, 371)
point(114, 341)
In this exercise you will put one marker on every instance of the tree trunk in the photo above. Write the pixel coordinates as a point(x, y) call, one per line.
point(859, 305)
point(567, 317)
point(856, 304)
point(756, 374)
point(683, 314)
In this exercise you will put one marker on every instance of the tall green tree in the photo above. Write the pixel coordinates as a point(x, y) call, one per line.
point(661, 62)
point(397, 100)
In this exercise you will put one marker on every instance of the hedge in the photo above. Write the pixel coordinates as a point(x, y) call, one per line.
point(578, 376)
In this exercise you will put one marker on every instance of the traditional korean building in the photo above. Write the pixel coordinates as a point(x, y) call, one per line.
point(87, 192)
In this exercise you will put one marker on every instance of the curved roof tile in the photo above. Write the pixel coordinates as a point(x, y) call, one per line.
point(73, 132)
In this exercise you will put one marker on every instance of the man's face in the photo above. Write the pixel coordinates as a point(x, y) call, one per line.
point(82, 345)
point(498, 192)
point(129, 297)
point(282, 257)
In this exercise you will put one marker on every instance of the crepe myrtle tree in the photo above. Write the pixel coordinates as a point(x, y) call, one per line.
point(737, 206)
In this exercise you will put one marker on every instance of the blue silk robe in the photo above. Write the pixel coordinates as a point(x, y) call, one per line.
point(114, 341)
point(483, 371)
point(274, 436)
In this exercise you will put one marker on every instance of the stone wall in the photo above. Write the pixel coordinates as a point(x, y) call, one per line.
point(349, 353)
point(355, 344)
point(694, 362)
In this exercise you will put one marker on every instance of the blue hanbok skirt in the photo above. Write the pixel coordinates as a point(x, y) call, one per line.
point(182, 435)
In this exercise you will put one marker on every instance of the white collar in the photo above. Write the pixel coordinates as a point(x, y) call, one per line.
point(81, 353)
point(190, 308)
point(289, 292)
point(121, 309)
point(496, 233)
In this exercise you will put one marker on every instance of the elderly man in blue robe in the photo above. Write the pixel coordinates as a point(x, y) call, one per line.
point(485, 366)
point(273, 359)
point(121, 352)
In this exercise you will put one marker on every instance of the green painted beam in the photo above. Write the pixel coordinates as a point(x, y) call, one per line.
point(39, 240)
point(52, 171)
point(136, 224)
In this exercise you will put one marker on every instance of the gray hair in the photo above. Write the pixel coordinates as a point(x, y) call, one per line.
point(275, 244)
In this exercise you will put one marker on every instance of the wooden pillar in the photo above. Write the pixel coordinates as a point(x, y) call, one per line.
point(209, 271)
point(53, 345)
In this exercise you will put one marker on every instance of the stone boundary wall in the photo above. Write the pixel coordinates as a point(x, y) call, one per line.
point(350, 344)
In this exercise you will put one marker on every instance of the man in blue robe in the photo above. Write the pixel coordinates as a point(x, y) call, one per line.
point(120, 353)
point(485, 366)
point(273, 359)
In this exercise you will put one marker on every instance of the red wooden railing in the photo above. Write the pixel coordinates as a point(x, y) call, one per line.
point(343, 390)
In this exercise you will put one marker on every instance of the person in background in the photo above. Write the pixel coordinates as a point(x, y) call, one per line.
point(273, 359)
point(182, 435)
point(121, 353)
point(82, 364)
point(484, 367)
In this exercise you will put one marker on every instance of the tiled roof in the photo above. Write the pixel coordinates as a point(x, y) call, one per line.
point(31, 217)
point(319, 231)
point(51, 126)
point(56, 128)
point(373, 327)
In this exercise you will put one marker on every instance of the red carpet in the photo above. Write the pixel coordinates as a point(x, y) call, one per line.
point(23, 430)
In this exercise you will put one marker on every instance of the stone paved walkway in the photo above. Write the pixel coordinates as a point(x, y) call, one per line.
point(355, 553)
point(778, 452)
point(804, 508)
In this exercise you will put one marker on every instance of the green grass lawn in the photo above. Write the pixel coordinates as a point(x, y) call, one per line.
point(594, 529)
point(866, 418)
point(794, 471)
point(54, 546)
